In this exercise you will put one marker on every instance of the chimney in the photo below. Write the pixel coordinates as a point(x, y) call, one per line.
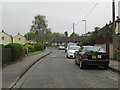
point(106, 24)
point(109, 22)
point(117, 17)
point(2, 30)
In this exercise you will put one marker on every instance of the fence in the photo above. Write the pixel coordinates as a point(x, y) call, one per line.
point(0, 56)
point(6, 55)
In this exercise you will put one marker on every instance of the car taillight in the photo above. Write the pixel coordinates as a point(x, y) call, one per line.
point(85, 56)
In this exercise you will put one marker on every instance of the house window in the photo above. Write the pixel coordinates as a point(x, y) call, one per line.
point(2, 38)
point(19, 39)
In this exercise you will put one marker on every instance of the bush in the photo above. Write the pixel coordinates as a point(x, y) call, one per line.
point(16, 50)
point(38, 47)
point(29, 48)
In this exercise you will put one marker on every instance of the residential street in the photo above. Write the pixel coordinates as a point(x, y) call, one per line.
point(56, 71)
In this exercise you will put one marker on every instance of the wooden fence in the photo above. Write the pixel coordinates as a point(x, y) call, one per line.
point(6, 55)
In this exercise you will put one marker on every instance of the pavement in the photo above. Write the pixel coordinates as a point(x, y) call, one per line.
point(11, 73)
point(114, 65)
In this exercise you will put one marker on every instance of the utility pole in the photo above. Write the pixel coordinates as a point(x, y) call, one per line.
point(113, 14)
point(73, 32)
point(85, 26)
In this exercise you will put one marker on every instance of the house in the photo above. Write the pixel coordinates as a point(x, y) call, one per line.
point(19, 39)
point(117, 30)
point(64, 40)
point(106, 43)
point(5, 38)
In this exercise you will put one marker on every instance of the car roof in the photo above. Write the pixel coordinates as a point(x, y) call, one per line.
point(74, 46)
point(92, 46)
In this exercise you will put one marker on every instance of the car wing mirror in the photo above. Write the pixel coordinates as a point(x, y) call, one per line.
point(77, 52)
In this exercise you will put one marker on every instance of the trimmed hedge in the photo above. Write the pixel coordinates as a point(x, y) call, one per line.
point(38, 47)
point(29, 47)
point(16, 50)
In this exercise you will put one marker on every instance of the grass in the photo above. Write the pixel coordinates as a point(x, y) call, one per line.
point(34, 53)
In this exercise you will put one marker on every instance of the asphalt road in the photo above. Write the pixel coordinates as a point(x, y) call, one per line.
point(56, 71)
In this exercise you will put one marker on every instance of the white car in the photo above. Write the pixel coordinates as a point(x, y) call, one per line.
point(61, 47)
point(70, 44)
point(71, 50)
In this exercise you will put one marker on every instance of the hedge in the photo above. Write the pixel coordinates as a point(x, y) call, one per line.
point(16, 50)
point(38, 47)
point(29, 48)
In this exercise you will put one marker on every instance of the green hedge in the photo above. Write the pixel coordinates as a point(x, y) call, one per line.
point(29, 48)
point(16, 50)
point(38, 47)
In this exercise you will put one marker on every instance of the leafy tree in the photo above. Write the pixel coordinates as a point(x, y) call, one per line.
point(66, 34)
point(40, 32)
point(29, 36)
point(93, 36)
point(57, 34)
point(74, 34)
point(39, 27)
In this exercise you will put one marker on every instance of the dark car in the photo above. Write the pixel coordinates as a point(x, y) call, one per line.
point(91, 55)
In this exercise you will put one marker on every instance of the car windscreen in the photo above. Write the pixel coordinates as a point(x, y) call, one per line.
point(95, 49)
point(73, 48)
point(72, 44)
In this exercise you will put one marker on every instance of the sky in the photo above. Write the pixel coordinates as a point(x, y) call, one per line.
point(17, 16)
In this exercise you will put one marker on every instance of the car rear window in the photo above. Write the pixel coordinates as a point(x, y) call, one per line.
point(96, 49)
point(74, 48)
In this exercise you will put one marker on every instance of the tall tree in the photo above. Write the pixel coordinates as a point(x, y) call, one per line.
point(74, 34)
point(39, 27)
point(66, 33)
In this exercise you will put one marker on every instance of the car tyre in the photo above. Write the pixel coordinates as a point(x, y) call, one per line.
point(67, 56)
point(81, 65)
point(75, 61)
point(105, 67)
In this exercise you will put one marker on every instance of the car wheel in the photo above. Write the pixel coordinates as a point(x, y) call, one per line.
point(81, 65)
point(75, 61)
point(105, 67)
point(67, 56)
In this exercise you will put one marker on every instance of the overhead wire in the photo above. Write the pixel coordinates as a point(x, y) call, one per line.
point(86, 14)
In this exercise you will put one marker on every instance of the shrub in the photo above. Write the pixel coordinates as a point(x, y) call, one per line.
point(29, 47)
point(16, 50)
point(38, 47)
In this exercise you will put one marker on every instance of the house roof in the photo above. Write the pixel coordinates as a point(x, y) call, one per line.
point(118, 20)
point(6, 33)
point(18, 35)
point(70, 39)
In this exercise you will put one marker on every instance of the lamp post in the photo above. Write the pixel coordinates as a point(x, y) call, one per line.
point(85, 26)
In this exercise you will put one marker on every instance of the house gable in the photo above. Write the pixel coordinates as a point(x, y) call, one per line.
point(19, 39)
point(5, 38)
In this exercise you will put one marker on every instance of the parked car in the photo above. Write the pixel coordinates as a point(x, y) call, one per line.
point(71, 50)
point(92, 55)
point(61, 47)
point(70, 44)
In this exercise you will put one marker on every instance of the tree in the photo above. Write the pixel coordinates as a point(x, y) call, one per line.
point(29, 36)
point(93, 36)
point(40, 32)
point(57, 34)
point(74, 34)
point(66, 33)
point(39, 27)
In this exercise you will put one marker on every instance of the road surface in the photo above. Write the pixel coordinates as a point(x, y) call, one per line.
point(57, 71)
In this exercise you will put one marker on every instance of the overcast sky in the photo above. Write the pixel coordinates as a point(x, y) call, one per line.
point(17, 16)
